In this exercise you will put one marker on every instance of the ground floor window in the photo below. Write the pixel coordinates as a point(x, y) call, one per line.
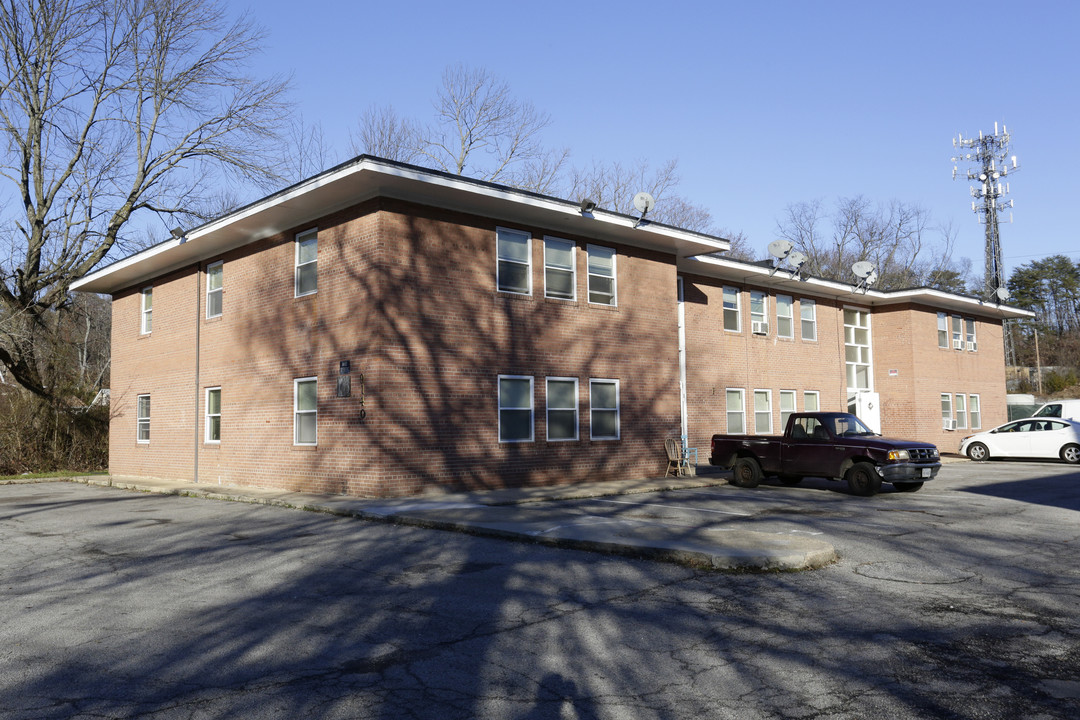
point(562, 408)
point(213, 415)
point(787, 407)
point(961, 412)
point(604, 409)
point(305, 411)
point(142, 418)
point(763, 412)
point(515, 408)
point(736, 412)
point(947, 421)
point(974, 415)
point(811, 401)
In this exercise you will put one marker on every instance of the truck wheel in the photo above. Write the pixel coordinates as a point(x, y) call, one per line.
point(978, 451)
point(746, 473)
point(907, 486)
point(863, 479)
point(1071, 453)
point(790, 479)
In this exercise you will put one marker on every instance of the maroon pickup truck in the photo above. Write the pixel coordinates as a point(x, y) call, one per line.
point(830, 445)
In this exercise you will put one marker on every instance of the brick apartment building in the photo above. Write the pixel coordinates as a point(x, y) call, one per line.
point(382, 329)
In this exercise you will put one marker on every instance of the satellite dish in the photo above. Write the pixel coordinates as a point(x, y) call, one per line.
point(872, 277)
point(862, 269)
point(644, 202)
point(1002, 294)
point(780, 249)
point(797, 259)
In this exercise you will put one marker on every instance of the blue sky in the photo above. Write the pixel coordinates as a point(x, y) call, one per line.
point(763, 104)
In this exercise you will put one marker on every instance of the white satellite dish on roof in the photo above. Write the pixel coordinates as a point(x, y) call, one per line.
point(1002, 294)
point(797, 259)
point(780, 249)
point(862, 269)
point(644, 202)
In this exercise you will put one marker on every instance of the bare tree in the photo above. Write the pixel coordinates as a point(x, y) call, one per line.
point(304, 150)
point(113, 109)
point(384, 133)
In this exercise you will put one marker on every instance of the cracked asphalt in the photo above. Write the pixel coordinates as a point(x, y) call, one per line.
point(959, 601)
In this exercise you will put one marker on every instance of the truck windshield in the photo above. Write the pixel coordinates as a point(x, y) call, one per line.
point(849, 426)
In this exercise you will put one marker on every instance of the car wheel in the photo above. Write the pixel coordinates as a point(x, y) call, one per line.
point(746, 473)
point(1071, 453)
point(907, 486)
point(978, 451)
point(790, 479)
point(863, 479)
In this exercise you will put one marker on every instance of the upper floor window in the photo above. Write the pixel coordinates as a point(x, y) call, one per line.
point(601, 275)
point(215, 278)
point(969, 334)
point(142, 418)
point(513, 270)
point(808, 315)
point(559, 274)
point(785, 324)
point(759, 311)
point(957, 337)
point(147, 300)
point(857, 348)
point(307, 265)
point(305, 411)
point(942, 330)
point(731, 309)
point(515, 408)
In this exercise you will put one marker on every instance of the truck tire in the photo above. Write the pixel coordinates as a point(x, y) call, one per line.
point(863, 479)
point(907, 486)
point(978, 451)
point(746, 473)
point(1071, 453)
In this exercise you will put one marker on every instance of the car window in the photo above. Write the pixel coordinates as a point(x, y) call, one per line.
point(1050, 411)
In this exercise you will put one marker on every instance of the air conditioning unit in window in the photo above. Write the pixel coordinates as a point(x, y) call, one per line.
point(948, 424)
point(958, 344)
point(759, 327)
point(972, 346)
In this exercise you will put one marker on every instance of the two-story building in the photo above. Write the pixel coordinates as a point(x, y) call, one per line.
point(383, 329)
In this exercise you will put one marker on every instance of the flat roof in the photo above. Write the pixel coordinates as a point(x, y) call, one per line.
point(784, 280)
point(367, 177)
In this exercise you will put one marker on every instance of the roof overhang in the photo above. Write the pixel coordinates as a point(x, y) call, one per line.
point(783, 280)
point(367, 177)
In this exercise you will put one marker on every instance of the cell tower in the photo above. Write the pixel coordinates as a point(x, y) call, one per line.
point(990, 161)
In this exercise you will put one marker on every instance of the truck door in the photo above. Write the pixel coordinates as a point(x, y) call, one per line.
point(810, 450)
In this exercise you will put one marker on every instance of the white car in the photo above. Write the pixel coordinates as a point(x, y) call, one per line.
point(1039, 437)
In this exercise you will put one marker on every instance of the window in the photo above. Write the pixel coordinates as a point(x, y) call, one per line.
point(942, 330)
point(735, 412)
point(515, 408)
point(961, 412)
point(811, 401)
point(857, 348)
point(946, 412)
point(215, 276)
point(763, 412)
point(969, 334)
point(808, 313)
point(787, 406)
point(559, 269)
point(147, 310)
point(785, 324)
point(562, 409)
point(759, 310)
point(957, 340)
point(973, 412)
point(604, 409)
point(307, 265)
point(513, 271)
point(213, 415)
point(142, 418)
point(305, 411)
point(731, 309)
point(601, 275)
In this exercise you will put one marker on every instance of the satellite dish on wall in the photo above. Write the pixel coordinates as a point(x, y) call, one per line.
point(862, 269)
point(644, 202)
point(780, 249)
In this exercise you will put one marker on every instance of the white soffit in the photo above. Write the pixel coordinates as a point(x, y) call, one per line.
point(365, 178)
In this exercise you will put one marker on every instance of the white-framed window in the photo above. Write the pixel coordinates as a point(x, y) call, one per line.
point(787, 407)
point(146, 299)
point(785, 321)
point(969, 334)
point(306, 411)
point(732, 314)
point(736, 412)
point(559, 270)
point(142, 418)
point(974, 414)
point(961, 412)
point(603, 409)
point(947, 421)
point(808, 316)
point(943, 330)
point(515, 408)
point(307, 262)
point(957, 332)
point(562, 408)
point(763, 412)
point(857, 349)
point(213, 415)
point(602, 290)
point(759, 313)
point(811, 401)
point(215, 288)
point(513, 266)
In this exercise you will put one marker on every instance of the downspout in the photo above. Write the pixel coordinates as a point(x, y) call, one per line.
point(682, 366)
point(198, 329)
